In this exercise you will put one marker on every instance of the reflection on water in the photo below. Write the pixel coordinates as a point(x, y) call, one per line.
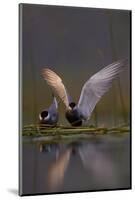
point(103, 162)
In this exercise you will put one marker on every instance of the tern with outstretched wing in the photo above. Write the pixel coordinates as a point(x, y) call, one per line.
point(92, 91)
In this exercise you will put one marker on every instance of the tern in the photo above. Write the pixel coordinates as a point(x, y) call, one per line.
point(50, 115)
point(92, 91)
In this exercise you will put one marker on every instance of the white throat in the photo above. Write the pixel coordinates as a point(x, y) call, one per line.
point(47, 117)
point(74, 108)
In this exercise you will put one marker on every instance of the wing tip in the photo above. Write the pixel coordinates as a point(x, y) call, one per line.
point(46, 71)
point(123, 61)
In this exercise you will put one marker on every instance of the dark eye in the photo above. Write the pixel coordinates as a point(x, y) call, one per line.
point(72, 104)
point(44, 114)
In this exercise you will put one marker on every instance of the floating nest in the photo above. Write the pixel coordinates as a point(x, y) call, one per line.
point(58, 133)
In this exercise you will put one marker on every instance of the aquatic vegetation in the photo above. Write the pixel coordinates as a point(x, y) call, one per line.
point(57, 133)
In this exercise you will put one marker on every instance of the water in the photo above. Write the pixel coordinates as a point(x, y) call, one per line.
point(101, 162)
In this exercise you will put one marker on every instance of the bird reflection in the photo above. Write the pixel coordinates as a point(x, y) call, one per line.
point(98, 162)
point(95, 161)
point(57, 170)
point(50, 148)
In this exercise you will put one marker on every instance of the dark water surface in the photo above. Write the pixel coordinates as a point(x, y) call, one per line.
point(102, 162)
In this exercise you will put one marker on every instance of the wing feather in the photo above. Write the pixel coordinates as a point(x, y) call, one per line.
point(55, 82)
point(97, 86)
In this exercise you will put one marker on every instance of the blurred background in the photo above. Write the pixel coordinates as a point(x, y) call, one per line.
point(75, 43)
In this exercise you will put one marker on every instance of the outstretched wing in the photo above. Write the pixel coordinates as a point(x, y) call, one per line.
point(97, 86)
point(55, 82)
